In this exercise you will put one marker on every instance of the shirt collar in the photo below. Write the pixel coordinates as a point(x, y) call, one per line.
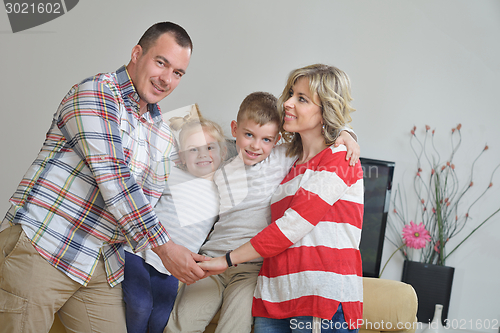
point(128, 91)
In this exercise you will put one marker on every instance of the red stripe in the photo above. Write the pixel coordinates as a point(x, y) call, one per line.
point(346, 212)
point(342, 211)
point(304, 200)
point(353, 313)
point(318, 258)
point(270, 241)
point(329, 161)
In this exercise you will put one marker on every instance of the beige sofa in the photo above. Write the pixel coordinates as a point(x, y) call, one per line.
point(389, 306)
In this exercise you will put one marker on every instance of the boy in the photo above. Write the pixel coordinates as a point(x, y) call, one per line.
point(246, 184)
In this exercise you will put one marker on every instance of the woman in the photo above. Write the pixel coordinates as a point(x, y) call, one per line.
point(311, 277)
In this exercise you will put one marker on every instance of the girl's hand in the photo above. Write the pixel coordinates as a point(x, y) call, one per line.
point(214, 266)
point(353, 150)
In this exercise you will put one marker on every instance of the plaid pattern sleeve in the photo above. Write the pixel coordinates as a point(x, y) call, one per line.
point(93, 185)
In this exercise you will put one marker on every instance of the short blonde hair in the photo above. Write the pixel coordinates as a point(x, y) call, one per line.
point(333, 89)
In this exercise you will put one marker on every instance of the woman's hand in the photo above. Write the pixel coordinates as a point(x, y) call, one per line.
point(214, 266)
point(353, 150)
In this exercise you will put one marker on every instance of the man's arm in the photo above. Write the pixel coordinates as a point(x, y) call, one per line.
point(89, 118)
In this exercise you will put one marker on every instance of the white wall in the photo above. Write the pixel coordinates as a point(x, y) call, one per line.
point(411, 63)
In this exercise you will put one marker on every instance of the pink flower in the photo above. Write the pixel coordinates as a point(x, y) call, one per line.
point(416, 236)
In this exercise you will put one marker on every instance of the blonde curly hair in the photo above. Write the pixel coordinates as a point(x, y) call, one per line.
point(333, 88)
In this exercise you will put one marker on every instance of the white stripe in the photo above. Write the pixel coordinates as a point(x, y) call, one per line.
point(355, 193)
point(327, 185)
point(287, 189)
point(293, 226)
point(339, 148)
point(332, 235)
point(324, 284)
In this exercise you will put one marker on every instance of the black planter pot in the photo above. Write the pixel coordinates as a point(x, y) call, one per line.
point(432, 283)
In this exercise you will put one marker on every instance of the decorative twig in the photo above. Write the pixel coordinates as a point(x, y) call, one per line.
point(439, 196)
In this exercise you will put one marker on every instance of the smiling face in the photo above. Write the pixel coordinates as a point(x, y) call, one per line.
point(302, 113)
point(201, 153)
point(255, 142)
point(157, 72)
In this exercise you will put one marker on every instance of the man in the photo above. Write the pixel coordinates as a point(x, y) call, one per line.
point(90, 191)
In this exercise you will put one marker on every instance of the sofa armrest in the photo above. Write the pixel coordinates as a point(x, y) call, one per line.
point(388, 306)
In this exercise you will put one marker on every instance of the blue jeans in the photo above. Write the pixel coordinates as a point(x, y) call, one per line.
point(149, 296)
point(302, 324)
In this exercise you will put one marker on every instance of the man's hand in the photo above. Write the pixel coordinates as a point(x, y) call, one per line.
point(181, 262)
point(353, 150)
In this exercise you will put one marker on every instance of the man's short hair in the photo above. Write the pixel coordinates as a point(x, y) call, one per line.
point(155, 31)
point(260, 107)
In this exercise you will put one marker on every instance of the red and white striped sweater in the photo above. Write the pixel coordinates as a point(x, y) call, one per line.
point(311, 250)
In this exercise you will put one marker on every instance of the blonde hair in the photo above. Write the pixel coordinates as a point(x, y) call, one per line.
point(333, 89)
point(195, 122)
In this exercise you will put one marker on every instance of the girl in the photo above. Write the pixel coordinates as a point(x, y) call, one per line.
point(187, 209)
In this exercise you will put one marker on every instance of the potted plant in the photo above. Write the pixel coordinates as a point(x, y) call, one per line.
point(443, 207)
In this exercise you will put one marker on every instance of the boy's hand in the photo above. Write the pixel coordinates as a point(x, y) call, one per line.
point(353, 150)
point(214, 266)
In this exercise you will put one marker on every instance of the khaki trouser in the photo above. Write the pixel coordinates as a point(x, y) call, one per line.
point(32, 291)
point(231, 292)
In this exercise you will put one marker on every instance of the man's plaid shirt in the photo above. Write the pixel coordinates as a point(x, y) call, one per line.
point(95, 182)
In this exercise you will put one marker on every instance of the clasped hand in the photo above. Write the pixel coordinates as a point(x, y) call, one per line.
point(213, 266)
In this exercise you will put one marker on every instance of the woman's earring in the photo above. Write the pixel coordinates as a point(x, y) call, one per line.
point(323, 130)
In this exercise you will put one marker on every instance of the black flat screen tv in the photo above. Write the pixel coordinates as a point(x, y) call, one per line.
point(377, 178)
